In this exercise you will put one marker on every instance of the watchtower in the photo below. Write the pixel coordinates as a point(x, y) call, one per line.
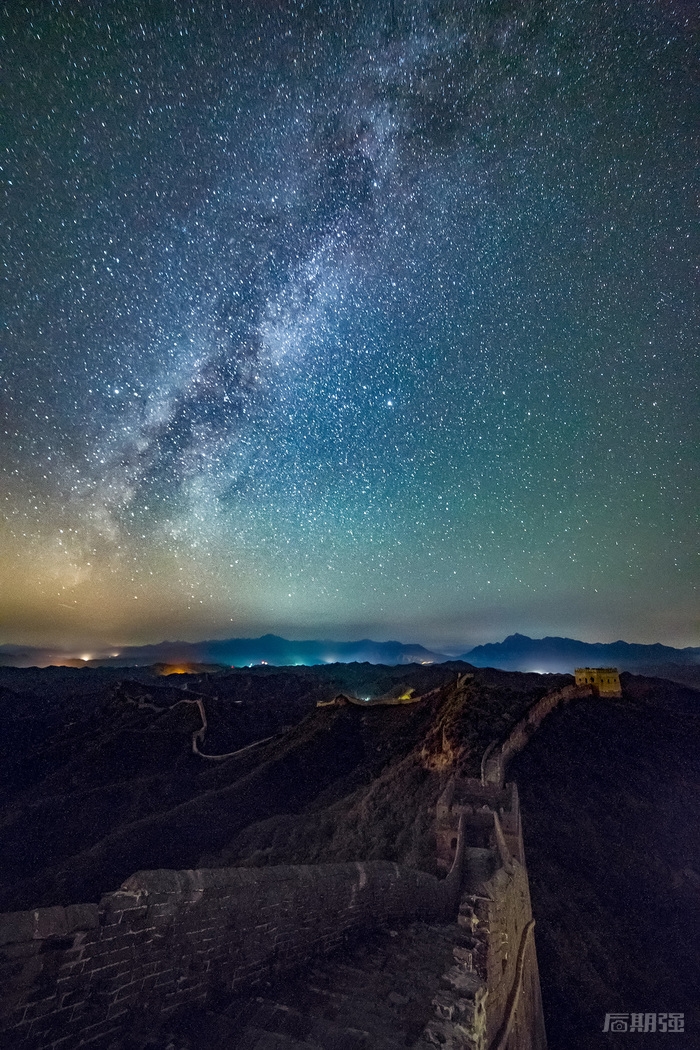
point(604, 681)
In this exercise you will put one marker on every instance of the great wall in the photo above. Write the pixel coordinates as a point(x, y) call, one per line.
point(77, 976)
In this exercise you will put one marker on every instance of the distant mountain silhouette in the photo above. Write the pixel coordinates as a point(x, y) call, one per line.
point(516, 653)
point(233, 652)
point(520, 653)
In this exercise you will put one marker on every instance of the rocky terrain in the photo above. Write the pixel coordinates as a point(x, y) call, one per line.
point(100, 778)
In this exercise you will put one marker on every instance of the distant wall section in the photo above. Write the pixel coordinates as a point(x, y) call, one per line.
point(497, 756)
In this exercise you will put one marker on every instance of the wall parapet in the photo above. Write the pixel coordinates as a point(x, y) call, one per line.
point(76, 975)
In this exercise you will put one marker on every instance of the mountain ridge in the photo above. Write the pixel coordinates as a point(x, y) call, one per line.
point(517, 652)
point(236, 652)
point(553, 653)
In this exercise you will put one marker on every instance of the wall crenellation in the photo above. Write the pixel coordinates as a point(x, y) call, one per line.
point(492, 999)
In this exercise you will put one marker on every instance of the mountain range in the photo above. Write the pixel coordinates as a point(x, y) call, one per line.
point(520, 653)
point(231, 652)
point(516, 653)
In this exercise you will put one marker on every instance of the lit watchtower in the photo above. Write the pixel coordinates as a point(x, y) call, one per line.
point(604, 681)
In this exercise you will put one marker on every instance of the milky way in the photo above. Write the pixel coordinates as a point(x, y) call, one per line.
point(348, 318)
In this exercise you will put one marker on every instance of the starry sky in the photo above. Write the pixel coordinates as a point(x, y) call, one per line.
point(345, 318)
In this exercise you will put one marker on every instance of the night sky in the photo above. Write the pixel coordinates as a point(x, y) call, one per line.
point(341, 318)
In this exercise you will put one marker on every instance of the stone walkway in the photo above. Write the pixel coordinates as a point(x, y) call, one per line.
point(379, 995)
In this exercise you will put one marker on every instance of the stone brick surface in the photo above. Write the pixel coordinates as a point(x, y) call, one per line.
point(167, 937)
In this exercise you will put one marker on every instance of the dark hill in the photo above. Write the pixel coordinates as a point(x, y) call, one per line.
point(116, 787)
point(610, 793)
point(101, 781)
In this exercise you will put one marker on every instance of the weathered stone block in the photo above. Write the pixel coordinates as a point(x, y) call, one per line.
point(447, 1035)
point(50, 922)
point(116, 1011)
point(463, 956)
point(80, 917)
point(119, 953)
point(17, 953)
point(68, 1042)
point(454, 1008)
point(98, 1031)
point(16, 926)
point(464, 982)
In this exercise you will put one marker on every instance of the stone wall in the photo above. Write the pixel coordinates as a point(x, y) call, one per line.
point(74, 976)
point(477, 803)
point(491, 995)
point(514, 1014)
